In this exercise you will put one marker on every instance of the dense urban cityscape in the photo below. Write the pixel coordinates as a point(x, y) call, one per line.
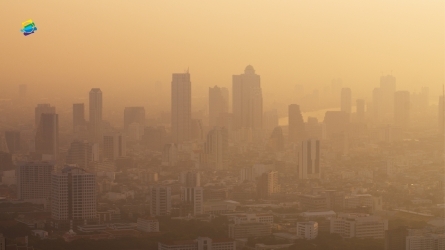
point(222, 125)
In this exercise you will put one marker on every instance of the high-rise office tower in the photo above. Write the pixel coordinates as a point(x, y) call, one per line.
point(309, 159)
point(360, 105)
point(34, 180)
point(160, 204)
point(276, 140)
point(218, 105)
point(192, 200)
point(73, 197)
point(134, 115)
point(78, 116)
point(216, 148)
point(47, 135)
point(82, 153)
point(196, 129)
point(402, 109)
point(114, 146)
point(181, 107)
point(268, 184)
point(42, 109)
point(387, 88)
point(441, 114)
point(12, 139)
point(170, 155)
point(296, 124)
point(95, 122)
point(346, 100)
point(247, 100)
point(190, 178)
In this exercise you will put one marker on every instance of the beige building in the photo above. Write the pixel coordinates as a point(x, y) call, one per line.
point(359, 226)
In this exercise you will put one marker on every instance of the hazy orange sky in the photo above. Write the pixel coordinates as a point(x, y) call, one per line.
point(128, 45)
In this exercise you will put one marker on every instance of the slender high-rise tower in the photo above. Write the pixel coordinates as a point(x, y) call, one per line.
point(218, 104)
point(309, 159)
point(296, 124)
point(95, 126)
point(247, 100)
point(346, 100)
point(47, 135)
point(216, 148)
point(402, 109)
point(181, 107)
point(78, 116)
point(43, 109)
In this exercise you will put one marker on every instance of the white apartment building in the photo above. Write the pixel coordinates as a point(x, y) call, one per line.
point(307, 230)
point(73, 196)
point(201, 243)
point(34, 180)
point(148, 225)
point(426, 242)
point(359, 226)
point(160, 200)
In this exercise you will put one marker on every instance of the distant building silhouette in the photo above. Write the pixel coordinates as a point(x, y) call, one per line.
point(160, 204)
point(218, 105)
point(309, 159)
point(247, 100)
point(197, 130)
point(402, 109)
point(387, 88)
point(34, 180)
point(114, 146)
point(78, 116)
point(270, 120)
point(47, 136)
point(216, 148)
point(181, 107)
point(13, 141)
point(170, 155)
point(276, 140)
point(377, 105)
point(268, 185)
point(134, 115)
point(82, 153)
point(346, 100)
point(95, 122)
point(43, 109)
point(297, 131)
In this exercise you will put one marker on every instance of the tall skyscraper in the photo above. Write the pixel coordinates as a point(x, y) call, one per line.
point(296, 124)
point(387, 88)
point(42, 109)
point(247, 100)
point(78, 116)
point(160, 204)
point(268, 185)
point(134, 115)
point(441, 114)
point(402, 109)
point(95, 123)
point(114, 146)
point(216, 148)
point(12, 139)
point(360, 105)
point(73, 197)
point(346, 100)
point(47, 135)
point(192, 201)
point(218, 105)
point(181, 107)
point(34, 180)
point(309, 159)
point(82, 153)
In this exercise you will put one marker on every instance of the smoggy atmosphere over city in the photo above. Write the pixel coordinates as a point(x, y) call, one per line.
point(222, 125)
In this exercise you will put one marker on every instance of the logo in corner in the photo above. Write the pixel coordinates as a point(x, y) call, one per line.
point(28, 27)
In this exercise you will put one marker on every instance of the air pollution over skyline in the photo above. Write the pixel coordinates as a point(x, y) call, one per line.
point(223, 125)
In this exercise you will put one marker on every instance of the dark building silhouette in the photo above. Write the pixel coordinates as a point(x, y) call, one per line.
point(296, 124)
point(47, 135)
point(81, 153)
point(395, 239)
point(95, 122)
point(387, 88)
point(13, 141)
point(276, 140)
point(181, 107)
point(42, 109)
point(134, 115)
point(218, 105)
point(197, 132)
